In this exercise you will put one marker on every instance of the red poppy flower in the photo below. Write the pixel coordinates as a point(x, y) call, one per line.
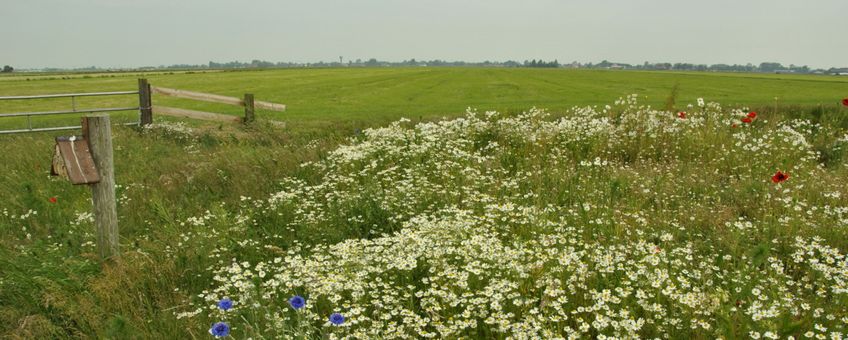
point(53, 200)
point(752, 115)
point(779, 177)
point(681, 115)
point(845, 102)
point(747, 120)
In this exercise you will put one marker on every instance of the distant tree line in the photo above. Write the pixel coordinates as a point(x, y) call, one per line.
point(8, 69)
point(765, 67)
point(540, 63)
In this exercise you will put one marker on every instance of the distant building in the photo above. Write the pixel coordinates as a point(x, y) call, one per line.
point(838, 71)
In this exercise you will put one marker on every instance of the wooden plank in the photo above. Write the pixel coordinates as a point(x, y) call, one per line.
point(208, 97)
point(98, 133)
point(73, 160)
point(184, 113)
point(249, 115)
point(215, 98)
point(269, 106)
point(145, 102)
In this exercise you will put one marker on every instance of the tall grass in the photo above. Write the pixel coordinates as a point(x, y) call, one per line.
point(53, 285)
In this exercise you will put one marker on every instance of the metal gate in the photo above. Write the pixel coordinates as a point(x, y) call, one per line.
point(73, 110)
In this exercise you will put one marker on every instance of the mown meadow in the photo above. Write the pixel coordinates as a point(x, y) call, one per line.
point(386, 209)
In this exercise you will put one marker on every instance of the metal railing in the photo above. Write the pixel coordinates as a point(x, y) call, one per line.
point(73, 109)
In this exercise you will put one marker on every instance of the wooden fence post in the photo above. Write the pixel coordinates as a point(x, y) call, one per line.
point(249, 108)
point(97, 131)
point(145, 102)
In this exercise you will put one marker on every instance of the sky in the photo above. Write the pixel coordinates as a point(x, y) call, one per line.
point(134, 33)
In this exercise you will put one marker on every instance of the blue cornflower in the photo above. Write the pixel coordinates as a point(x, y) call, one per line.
point(220, 329)
point(337, 319)
point(297, 302)
point(225, 304)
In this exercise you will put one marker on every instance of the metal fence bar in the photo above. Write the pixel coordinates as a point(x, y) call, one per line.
point(4, 132)
point(39, 129)
point(19, 114)
point(61, 95)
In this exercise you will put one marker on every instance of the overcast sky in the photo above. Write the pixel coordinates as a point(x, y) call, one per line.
point(131, 33)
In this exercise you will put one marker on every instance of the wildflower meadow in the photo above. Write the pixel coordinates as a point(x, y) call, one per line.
point(659, 215)
point(614, 221)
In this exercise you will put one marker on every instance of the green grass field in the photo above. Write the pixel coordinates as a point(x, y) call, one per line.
point(381, 95)
point(195, 196)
